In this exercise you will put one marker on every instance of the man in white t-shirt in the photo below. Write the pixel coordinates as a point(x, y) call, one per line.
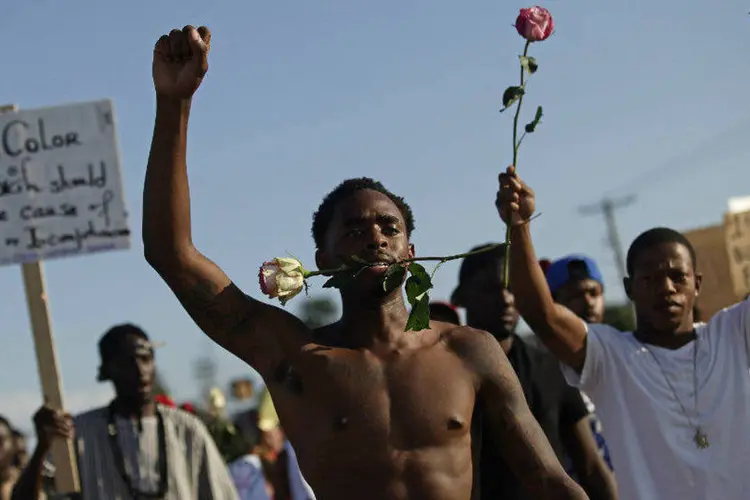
point(673, 396)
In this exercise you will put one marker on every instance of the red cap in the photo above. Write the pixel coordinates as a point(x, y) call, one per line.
point(444, 303)
point(165, 400)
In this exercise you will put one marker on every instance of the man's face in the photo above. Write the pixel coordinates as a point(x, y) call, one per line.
point(664, 287)
point(370, 226)
point(131, 370)
point(584, 297)
point(272, 439)
point(489, 306)
point(7, 447)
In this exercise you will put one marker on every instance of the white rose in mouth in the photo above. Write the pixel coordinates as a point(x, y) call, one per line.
point(282, 278)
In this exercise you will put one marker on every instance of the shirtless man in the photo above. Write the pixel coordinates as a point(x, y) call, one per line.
point(373, 412)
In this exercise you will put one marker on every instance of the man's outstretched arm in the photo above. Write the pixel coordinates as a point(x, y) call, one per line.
point(557, 327)
point(520, 439)
point(254, 331)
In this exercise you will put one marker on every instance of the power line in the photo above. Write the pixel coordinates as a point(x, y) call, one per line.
point(728, 143)
point(607, 207)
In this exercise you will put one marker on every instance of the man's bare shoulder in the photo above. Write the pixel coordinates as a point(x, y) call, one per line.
point(477, 348)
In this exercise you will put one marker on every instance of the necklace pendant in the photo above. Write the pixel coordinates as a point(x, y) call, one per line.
point(701, 439)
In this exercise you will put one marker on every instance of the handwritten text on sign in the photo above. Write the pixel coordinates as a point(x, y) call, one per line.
point(60, 184)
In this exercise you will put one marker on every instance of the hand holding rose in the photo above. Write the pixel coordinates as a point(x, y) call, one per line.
point(515, 200)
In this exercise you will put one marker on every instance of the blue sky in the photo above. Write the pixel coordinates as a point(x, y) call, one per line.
point(639, 97)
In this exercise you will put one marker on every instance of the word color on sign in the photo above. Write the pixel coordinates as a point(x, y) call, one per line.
point(60, 183)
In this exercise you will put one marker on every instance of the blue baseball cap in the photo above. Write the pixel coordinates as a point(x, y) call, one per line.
point(572, 268)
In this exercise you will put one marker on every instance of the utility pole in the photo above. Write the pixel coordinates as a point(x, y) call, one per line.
point(607, 207)
point(205, 370)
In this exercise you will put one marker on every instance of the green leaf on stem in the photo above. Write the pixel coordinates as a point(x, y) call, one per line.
point(339, 280)
point(531, 127)
point(419, 273)
point(417, 286)
point(511, 95)
point(394, 277)
point(419, 316)
point(529, 64)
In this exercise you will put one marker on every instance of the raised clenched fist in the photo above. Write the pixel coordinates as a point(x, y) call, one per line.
point(515, 200)
point(181, 62)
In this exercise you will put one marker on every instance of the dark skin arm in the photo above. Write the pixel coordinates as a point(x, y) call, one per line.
point(257, 333)
point(594, 474)
point(49, 424)
point(523, 443)
point(557, 327)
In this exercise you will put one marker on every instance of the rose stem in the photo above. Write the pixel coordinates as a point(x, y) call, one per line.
point(516, 144)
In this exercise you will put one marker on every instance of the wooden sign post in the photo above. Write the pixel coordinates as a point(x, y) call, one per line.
point(60, 195)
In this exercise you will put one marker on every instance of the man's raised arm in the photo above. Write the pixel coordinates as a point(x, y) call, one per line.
point(254, 331)
point(562, 332)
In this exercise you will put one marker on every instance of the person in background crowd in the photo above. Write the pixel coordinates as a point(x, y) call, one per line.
point(444, 311)
point(188, 407)
point(673, 396)
point(558, 408)
point(223, 431)
point(22, 453)
point(270, 470)
point(164, 400)
point(250, 478)
point(133, 447)
point(576, 282)
point(8, 469)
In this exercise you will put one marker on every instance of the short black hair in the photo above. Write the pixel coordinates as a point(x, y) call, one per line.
point(323, 216)
point(441, 311)
point(111, 342)
point(653, 237)
point(480, 261)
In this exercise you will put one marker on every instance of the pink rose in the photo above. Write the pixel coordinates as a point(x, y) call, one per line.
point(282, 278)
point(535, 24)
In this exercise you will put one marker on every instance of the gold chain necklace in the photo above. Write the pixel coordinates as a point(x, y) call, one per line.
point(700, 438)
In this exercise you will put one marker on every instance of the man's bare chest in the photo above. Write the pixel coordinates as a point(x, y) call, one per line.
point(410, 401)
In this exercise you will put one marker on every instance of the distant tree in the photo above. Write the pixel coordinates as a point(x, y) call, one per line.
point(318, 311)
point(620, 316)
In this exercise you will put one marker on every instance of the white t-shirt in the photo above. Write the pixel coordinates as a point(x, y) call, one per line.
point(649, 436)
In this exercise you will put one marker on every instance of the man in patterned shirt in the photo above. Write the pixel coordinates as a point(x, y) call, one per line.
point(133, 448)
